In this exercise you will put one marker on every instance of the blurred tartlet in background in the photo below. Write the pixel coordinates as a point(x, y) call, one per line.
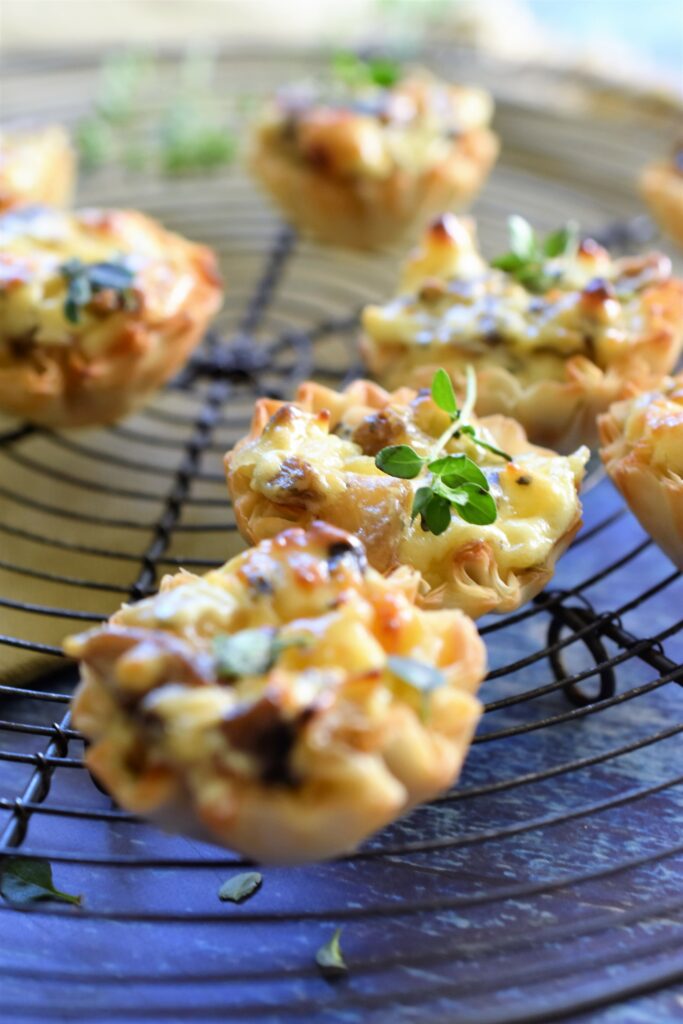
point(642, 448)
point(97, 309)
point(555, 328)
point(36, 166)
point(369, 157)
point(662, 188)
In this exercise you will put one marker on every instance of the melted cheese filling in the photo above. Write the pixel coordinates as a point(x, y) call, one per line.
point(372, 131)
point(352, 617)
point(654, 428)
point(452, 302)
point(532, 515)
point(35, 242)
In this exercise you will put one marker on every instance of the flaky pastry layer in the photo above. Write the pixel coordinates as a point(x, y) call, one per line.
point(642, 448)
point(552, 361)
point(60, 373)
point(313, 753)
point(315, 458)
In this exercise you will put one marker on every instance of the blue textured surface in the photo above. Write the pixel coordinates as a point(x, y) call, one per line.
point(539, 899)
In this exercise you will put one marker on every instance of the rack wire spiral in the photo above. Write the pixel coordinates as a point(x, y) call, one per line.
point(547, 885)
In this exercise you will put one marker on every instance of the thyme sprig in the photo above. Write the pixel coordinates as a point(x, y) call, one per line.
point(528, 255)
point(453, 482)
point(85, 280)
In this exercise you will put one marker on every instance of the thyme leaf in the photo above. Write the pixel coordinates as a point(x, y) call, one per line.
point(25, 881)
point(329, 957)
point(454, 481)
point(252, 652)
point(528, 255)
point(240, 887)
point(85, 280)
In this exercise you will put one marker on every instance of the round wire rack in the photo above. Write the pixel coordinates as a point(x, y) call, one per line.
point(547, 885)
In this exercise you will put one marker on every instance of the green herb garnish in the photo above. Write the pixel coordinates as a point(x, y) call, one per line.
point(455, 481)
point(252, 652)
point(193, 141)
point(121, 79)
point(188, 136)
point(357, 73)
point(422, 677)
point(95, 142)
point(329, 957)
point(115, 107)
point(417, 674)
point(526, 259)
point(25, 881)
point(84, 280)
point(240, 887)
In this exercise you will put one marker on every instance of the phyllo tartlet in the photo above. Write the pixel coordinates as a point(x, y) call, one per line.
point(366, 163)
point(97, 309)
point(642, 448)
point(662, 187)
point(556, 330)
point(482, 514)
point(286, 705)
point(36, 166)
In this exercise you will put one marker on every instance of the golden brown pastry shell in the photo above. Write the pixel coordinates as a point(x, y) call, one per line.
point(59, 386)
point(473, 581)
point(558, 413)
point(366, 213)
point(661, 186)
point(354, 779)
point(654, 496)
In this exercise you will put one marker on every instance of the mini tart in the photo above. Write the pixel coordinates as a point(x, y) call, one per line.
point(306, 760)
point(642, 448)
point(36, 167)
point(364, 168)
point(552, 361)
point(662, 188)
point(316, 458)
point(61, 374)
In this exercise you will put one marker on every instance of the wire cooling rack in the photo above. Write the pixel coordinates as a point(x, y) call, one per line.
point(547, 886)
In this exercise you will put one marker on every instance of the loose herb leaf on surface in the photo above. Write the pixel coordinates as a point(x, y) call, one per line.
point(240, 887)
point(330, 958)
point(252, 652)
point(455, 481)
point(84, 280)
point(527, 256)
point(25, 881)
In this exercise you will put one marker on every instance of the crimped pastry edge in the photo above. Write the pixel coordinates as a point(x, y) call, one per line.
point(365, 213)
point(481, 588)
